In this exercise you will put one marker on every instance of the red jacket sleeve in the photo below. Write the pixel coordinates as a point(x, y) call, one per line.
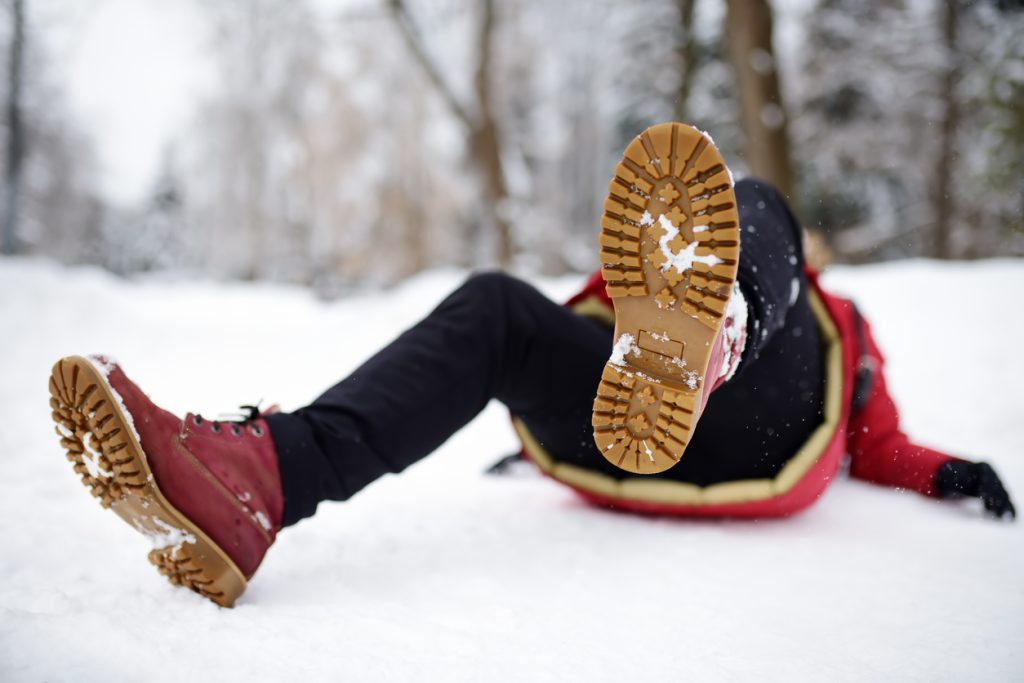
point(879, 451)
point(593, 287)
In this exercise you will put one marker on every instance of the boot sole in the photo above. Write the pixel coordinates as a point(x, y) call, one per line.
point(101, 443)
point(670, 190)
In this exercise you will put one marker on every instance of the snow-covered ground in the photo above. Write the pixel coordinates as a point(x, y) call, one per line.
point(443, 574)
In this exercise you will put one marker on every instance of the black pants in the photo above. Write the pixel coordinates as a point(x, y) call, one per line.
point(498, 337)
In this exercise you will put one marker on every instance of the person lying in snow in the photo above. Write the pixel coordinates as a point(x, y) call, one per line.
point(735, 386)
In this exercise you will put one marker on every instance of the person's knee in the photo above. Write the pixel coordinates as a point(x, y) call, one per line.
point(757, 188)
point(490, 285)
point(492, 279)
point(508, 302)
point(758, 198)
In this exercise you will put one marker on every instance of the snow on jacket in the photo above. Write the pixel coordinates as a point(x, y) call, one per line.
point(869, 433)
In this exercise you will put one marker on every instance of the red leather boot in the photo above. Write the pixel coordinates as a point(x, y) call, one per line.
point(670, 244)
point(206, 493)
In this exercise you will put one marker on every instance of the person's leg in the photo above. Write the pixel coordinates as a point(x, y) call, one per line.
point(771, 267)
point(757, 421)
point(494, 337)
point(497, 337)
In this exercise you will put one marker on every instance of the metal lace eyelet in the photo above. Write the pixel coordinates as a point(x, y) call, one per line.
point(235, 430)
point(197, 420)
point(257, 430)
point(215, 428)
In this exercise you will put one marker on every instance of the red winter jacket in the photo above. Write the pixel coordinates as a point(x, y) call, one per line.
point(879, 451)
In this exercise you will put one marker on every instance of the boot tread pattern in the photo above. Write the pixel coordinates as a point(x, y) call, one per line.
point(181, 569)
point(96, 447)
point(669, 250)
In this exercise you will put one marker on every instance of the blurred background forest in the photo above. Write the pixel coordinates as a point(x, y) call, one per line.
point(337, 143)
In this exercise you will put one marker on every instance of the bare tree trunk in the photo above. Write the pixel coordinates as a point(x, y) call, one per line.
point(15, 131)
point(687, 58)
point(486, 139)
point(748, 25)
point(944, 202)
point(482, 124)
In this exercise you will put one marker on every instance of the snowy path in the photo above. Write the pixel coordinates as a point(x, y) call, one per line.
point(442, 574)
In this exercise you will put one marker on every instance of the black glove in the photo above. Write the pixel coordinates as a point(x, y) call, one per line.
point(976, 479)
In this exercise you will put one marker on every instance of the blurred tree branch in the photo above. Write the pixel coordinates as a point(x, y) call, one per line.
point(414, 41)
point(482, 124)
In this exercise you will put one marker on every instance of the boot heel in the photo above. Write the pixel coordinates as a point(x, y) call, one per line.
point(641, 424)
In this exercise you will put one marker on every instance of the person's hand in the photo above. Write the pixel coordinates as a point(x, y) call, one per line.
point(976, 479)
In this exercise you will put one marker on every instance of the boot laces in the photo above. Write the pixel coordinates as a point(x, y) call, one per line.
point(236, 421)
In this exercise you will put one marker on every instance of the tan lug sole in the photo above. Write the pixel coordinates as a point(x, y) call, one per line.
point(669, 252)
point(101, 443)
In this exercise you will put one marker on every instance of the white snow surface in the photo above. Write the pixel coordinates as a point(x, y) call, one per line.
point(444, 574)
